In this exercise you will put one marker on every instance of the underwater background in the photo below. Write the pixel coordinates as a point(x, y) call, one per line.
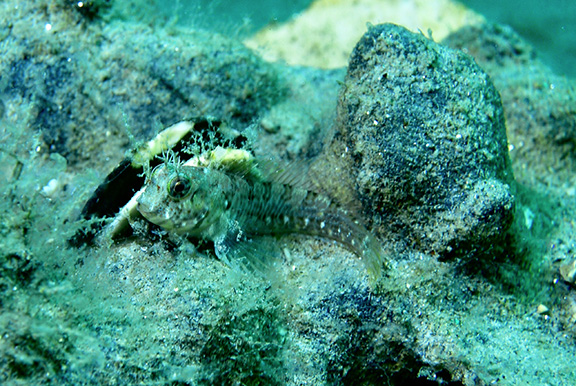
point(450, 134)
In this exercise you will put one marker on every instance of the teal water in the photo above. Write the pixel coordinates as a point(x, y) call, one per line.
point(550, 27)
point(235, 18)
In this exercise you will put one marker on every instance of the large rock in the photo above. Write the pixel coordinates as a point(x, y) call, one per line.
point(85, 87)
point(540, 106)
point(424, 129)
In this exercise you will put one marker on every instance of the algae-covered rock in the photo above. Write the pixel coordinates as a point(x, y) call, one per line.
point(424, 129)
point(85, 86)
point(540, 106)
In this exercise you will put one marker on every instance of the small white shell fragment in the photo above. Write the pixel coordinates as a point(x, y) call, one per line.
point(568, 271)
point(528, 217)
point(51, 187)
point(542, 310)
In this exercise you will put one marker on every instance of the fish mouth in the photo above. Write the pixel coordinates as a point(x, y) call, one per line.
point(154, 217)
point(193, 225)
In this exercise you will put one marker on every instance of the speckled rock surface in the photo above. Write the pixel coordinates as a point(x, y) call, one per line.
point(99, 83)
point(540, 106)
point(540, 109)
point(424, 129)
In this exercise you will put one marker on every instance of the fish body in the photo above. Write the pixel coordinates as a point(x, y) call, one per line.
point(230, 208)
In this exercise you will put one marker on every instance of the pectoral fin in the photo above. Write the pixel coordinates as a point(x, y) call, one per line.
point(252, 254)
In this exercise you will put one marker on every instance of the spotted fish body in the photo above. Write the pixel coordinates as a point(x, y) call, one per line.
point(230, 208)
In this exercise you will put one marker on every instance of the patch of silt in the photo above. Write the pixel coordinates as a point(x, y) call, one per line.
point(422, 128)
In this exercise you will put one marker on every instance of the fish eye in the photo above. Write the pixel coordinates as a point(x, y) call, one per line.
point(179, 187)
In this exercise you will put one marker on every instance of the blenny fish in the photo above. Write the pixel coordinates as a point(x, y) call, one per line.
point(231, 205)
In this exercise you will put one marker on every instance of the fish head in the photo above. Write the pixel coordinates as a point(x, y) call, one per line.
point(184, 199)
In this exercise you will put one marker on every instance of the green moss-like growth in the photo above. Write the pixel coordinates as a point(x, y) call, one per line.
point(244, 350)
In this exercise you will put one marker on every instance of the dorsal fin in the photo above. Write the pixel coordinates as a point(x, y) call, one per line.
point(306, 174)
point(296, 174)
